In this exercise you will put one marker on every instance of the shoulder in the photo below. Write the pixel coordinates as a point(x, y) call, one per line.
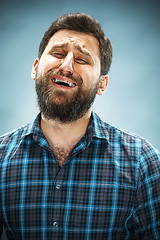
point(137, 153)
point(10, 140)
point(14, 137)
point(116, 136)
point(134, 144)
point(19, 138)
point(15, 134)
point(123, 142)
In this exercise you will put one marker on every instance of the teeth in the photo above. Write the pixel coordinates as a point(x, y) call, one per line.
point(64, 82)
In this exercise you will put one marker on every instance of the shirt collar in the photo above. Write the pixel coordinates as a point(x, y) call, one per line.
point(99, 128)
point(96, 128)
point(33, 127)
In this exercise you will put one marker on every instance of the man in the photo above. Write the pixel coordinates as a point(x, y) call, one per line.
point(68, 175)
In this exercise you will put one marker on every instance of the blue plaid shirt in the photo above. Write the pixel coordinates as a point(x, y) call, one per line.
point(108, 188)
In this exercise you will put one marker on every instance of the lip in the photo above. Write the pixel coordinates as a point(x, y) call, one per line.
point(64, 79)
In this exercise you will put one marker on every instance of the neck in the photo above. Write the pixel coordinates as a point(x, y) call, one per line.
point(64, 135)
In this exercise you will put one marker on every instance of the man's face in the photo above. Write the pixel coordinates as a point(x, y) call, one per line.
point(67, 75)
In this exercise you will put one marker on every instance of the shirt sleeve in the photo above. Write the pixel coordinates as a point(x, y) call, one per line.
point(147, 201)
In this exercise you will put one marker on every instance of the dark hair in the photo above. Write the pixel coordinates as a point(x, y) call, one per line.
point(82, 23)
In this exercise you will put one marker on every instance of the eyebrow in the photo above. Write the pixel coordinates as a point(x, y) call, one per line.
point(85, 52)
point(77, 47)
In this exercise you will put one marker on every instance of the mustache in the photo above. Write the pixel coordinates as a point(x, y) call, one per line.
point(54, 72)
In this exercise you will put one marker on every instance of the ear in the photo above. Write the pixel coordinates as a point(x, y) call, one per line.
point(103, 84)
point(34, 68)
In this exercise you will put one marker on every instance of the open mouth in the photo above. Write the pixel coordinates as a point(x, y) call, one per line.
point(63, 83)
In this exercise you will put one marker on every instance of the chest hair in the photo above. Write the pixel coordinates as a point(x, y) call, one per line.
point(61, 154)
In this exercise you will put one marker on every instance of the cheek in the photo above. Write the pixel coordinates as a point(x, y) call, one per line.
point(89, 76)
point(91, 73)
point(47, 64)
point(84, 74)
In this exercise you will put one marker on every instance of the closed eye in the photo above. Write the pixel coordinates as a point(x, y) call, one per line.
point(58, 55)
point(81, 61)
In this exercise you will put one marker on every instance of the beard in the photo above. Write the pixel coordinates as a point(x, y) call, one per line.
point(62, 105)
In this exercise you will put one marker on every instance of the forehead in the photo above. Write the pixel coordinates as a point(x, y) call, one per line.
point(73, 38)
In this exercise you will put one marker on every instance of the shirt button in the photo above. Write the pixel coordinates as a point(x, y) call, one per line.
point(58, 186)
point(55, 224)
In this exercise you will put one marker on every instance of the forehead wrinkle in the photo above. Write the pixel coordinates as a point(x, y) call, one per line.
point(76, 46)
point(79, 45)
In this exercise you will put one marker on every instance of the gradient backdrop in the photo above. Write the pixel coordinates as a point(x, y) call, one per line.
point(132, 99)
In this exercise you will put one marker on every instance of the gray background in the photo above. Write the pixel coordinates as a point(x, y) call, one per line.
point(132, 99)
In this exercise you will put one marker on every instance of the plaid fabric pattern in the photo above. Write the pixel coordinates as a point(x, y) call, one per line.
point(109, 187)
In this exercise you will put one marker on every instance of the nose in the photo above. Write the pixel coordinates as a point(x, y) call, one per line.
point(67, 64)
